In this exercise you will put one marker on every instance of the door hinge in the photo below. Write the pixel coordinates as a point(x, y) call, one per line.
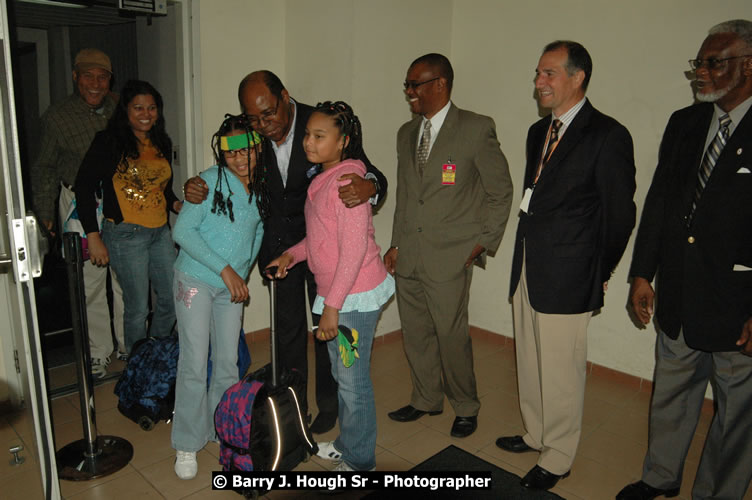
point(15, 359)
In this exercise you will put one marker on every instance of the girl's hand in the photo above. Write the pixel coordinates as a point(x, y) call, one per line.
point(177, 206)
point(282, 263)
point(235, 284)
point(97, 251)
point(328, 324)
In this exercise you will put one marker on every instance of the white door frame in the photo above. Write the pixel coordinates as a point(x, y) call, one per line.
point(18, 286)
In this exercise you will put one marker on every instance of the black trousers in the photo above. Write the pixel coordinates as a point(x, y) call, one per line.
point(292, 337)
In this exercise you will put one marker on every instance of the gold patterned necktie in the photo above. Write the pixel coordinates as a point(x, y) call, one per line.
point(555, 126)
point(709, 161)
point(425, 142)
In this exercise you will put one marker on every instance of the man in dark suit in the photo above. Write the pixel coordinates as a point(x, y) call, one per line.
point(576, 216)
point(453, 199)
point(282, 122)
point(696, 234)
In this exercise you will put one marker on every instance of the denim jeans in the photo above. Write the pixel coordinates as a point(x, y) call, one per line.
point(357, 409)
point(205, 314)
point(140, 255)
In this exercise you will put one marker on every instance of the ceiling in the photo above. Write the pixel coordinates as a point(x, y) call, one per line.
point(101, 12)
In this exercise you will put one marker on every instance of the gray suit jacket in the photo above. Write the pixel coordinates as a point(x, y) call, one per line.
point(442, 223)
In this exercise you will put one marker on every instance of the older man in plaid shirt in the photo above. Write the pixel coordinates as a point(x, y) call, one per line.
point(68, 127)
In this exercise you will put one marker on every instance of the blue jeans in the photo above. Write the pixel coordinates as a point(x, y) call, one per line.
point(357, 409)
point(205, 314)
point(140, 255)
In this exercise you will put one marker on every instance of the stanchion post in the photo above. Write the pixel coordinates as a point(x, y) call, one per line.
point(94, 456)
point(74, 263)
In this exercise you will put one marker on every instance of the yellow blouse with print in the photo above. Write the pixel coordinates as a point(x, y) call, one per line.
point(140, 188)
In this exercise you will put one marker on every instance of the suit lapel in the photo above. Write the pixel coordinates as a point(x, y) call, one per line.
point(299, 164)
point(572, 136)
point(535, 140)
point(442, 147)
point(275, 178)
point(412, 145)
point(697, 132)
point(726, 165)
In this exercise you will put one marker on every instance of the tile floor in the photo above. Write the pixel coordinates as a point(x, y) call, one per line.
point(611, 450)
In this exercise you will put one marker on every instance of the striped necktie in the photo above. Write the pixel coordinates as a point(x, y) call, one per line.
point(555, 126)
point(709, 160)
point(425, 142)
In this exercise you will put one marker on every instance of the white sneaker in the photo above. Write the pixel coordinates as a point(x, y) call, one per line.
point(122, 356)
point(343, 467)
point(185, 464)
point(327, 451)
point(99, 366)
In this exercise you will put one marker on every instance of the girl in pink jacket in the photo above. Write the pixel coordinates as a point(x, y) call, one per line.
point(351, 279)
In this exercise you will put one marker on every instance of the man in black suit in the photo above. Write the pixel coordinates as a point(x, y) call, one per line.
point(575, 220)
point(282, 122)
point(696, 235)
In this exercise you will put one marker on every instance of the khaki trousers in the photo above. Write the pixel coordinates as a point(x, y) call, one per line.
point(97, 309)
point(551, 369)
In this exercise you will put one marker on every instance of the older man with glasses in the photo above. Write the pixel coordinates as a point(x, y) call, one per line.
point(281, 121)
point(696, 236)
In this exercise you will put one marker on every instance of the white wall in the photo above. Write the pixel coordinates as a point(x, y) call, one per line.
point(359, 51)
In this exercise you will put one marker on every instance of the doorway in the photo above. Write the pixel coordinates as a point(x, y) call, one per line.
point(47, 38)
point(41, 47)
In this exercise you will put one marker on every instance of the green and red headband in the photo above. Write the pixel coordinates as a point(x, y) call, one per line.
point(242, 141)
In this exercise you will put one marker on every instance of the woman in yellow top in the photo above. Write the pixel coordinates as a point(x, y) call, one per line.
point(129, 163)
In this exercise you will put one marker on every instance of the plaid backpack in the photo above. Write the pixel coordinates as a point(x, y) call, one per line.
point(260, 426)
point(232, 420)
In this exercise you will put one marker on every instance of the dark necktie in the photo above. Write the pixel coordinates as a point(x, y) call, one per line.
point(709, 160)
point(555, 126)
point(425, 142)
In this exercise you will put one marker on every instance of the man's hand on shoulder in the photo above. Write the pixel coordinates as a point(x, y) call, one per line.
point(745, 340)
point(358, 191)
point(195, 190)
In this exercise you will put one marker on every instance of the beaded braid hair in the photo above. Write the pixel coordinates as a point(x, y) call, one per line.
point(349, 126)
point(257, 181)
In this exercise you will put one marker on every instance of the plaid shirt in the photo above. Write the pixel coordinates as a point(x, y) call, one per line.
point(68, 128)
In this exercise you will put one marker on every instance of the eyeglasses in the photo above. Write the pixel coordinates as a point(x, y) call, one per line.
point(235, 152)
point(265, 117)
point(712, 63)
point(415, 85)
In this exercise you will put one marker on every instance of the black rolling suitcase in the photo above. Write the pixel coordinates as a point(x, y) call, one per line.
point(259, 420)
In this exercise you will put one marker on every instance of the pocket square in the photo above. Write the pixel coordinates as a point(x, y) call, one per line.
point(741, 267)
point(744, 170)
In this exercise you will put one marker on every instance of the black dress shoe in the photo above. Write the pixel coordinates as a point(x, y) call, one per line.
point(515, 444)
point(409, 413)
point(643, 491)
point(324, 422)
point(540, 479)
point(464, 426)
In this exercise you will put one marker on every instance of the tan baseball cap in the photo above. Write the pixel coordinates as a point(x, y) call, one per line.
point(92, 58)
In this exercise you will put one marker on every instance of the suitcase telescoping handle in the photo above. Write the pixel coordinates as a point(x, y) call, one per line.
point(271, 276)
